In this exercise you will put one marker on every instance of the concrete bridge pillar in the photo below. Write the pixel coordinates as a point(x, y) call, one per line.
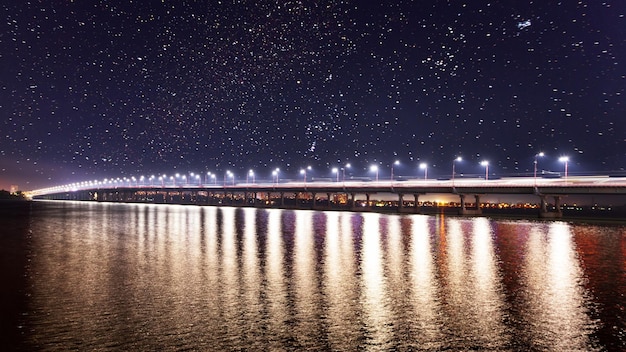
point(544, 212)
point(400, 201)
point(352, 197)
point(328, 195)
point(462, 197)
point(313, 196)
point(282, 199)
point(557, 205)
point(478, 208)
point(416, 205)
point(544, 205)
point(367, 200)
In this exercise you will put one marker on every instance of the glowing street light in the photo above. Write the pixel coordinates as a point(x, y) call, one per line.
point(229, 175)
point(424, 166)
point(541, 154)
point(374, 168)
point(485, 163)
point(397, 162)
point(336, 172)
point(343, 170)
point(199, 180)
point(565, 160)
point(454, 168)
point(303, 172)
point(275, 174)
point(250, 174)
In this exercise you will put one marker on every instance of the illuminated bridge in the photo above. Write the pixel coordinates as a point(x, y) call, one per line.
point(348, 195)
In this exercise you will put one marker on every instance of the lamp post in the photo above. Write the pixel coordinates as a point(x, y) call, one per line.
point(540, 154)
point(424, 166)
point(454, 168)
point(275, 174)
point(565, 160)
point(394, 163)
point(229, 174)
point(250, 175)
point(343, 171)
point(374, 168)
point(303, 172)
point(485, 163)
point(336, 172)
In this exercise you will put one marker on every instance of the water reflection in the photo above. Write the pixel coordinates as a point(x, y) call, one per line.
point(207, 278)
point(425, 296)
point(340, 286)
point(377, 323)
point(558, 316)
point(276, 286)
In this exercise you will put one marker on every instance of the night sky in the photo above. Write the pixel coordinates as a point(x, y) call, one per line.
point(95, 89)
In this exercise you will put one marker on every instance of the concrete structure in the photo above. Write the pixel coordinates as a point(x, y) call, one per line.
point(343, 195)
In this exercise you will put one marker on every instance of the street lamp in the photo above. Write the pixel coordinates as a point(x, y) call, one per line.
point(343, 170)
point(394, 163)
point(229, 174)
point(541, 154)
point(275, 174)
point(250, 174)
point(565, 160)
point(336, 172)
point(374, 168)
point(303, 172)
point(454, 168)
point(424, 166)
point(485, 163)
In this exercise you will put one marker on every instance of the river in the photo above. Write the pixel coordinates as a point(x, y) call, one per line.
point(97, 276)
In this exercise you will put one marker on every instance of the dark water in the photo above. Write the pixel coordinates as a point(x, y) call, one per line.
point(87, 276)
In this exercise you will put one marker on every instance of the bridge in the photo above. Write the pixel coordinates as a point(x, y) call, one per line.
point(329, 195)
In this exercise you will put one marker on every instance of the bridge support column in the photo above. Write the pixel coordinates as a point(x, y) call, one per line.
point(462, 197)
point(465, 211)
point(557, 205)
point(328, 195)
point(367, 200)
point(416, 206)
point(478, 208)
point(400, 202)
point(313, 196)
point(352, 201)
point(545, 213)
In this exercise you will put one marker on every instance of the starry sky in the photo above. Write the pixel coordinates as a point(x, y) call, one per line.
point(95, 89)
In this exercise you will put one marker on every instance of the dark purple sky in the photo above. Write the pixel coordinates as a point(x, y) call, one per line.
point(129, 88)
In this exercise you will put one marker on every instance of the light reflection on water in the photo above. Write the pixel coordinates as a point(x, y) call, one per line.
point(112, 276)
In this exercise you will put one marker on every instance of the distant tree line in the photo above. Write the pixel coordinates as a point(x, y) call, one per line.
point(4, 194)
